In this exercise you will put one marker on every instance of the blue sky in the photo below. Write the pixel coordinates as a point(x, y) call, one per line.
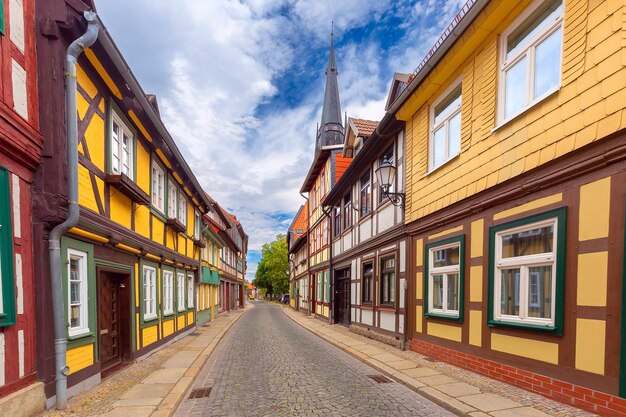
point(240, 84)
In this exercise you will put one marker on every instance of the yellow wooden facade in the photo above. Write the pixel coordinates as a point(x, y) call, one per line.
point(467, 195)
point(146, 239)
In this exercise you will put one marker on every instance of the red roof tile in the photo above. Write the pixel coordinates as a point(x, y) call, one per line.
point(364, 127)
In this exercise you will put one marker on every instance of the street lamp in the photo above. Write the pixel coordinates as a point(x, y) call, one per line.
point(385, 175)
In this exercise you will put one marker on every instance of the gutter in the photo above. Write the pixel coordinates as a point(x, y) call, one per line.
point(60, 339)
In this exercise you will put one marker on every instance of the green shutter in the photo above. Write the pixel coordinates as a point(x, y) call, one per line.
point(2, 18)
point(7, 314)
point(320, 287)
point(327, 273)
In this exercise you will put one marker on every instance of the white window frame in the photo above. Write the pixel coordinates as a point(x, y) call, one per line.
point(444, 271)
point(524, 263)
point(180, 290)
point(182, 210)
point(155, 186)
point(168, 292)
point(172, 199)
point(84, 302)
point(197, 220)
point(443, 124)
point(149, 292)
point(190, 288)
point(527, 51)
point(117, 146)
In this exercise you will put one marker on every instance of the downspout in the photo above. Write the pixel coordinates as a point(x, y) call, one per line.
point(60, 337)
point(308, 259)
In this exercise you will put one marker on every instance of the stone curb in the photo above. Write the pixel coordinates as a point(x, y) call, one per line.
point(451, 404)
point(185, 387)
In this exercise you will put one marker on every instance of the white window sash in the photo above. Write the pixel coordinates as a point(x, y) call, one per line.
point(172, 199)
point(182, 208)
point(180, 286)
point(526, 50)
point(83, 294)
point(524, 263)
point(444, 271)
point(158, 186)
point(168, 305)
point(190, 296)
point(149, 285)
point(443, 124)
point(118, 151)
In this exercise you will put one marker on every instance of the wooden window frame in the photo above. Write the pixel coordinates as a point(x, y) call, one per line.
point(365, 189)
point(190, 290)
point(83, 258)
point(156, 166)
point(381, 260)
point(370, 300)
point(505, 64)
point(180, 291)
point(429, 271)
point(149, 297)
point(444, 124)
point(168, 292)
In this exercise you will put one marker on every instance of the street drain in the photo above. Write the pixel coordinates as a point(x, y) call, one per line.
point(380, 379)
point(194, 334)
point(200, 393)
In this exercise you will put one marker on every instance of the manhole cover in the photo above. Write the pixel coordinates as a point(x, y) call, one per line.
point(380, 379)
point(200, 393)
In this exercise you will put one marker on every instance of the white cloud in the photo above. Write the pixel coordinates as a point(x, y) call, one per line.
point(215, 64)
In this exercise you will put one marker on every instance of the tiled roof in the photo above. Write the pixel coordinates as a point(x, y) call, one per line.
point(364, 127)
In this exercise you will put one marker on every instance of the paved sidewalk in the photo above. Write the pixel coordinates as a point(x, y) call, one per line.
point(154, 386)
point(462, 392)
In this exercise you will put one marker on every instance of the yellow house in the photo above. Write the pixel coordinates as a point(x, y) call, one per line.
point(131, 264)
point(515, 196)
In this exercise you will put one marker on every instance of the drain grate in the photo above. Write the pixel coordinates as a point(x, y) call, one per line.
point(206, 325)
point(200, 393)
point(194, 334)
point(380, 379)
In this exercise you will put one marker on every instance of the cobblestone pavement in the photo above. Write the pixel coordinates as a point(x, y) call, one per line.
point(267, 365)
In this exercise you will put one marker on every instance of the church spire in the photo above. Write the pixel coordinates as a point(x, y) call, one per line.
point(331, 129)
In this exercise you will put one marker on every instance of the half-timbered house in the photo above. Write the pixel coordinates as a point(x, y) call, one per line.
point(515, 133)
point(327, 167)
point(232, 262)
point(297, 249)
point(20, 155)
point(131, 262)
point(368, 239)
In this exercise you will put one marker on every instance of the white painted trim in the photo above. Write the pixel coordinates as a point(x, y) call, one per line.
point(2, 360)
point(84, 279)
point(19, 283)
point(20, 350)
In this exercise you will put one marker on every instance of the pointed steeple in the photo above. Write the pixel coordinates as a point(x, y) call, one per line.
point(330, 132)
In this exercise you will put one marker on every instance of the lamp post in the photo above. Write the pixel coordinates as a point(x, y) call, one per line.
point(385, 175)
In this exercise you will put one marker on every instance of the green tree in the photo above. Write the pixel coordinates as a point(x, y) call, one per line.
point(271, 273)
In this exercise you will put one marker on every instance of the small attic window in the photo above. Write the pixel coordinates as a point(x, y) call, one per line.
point(299, 231)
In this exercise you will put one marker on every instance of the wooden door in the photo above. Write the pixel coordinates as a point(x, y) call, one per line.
point(113, 319)
point(342, 296)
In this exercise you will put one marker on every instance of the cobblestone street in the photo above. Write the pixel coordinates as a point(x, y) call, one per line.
point(268, 365)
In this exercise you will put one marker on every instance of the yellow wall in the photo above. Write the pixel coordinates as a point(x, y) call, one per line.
point(80, 358)
point(149, 335)
point(180, 322)
point(588, 106)
point(533, 349)
point(168, 328)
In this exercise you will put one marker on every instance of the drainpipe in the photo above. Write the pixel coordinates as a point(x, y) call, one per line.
point(308, 260)
point(60, 338)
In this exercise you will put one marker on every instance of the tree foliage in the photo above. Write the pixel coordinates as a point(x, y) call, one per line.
point(271, 273)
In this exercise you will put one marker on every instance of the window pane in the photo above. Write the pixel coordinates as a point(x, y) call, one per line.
point(528, 242)
point(547, 63)
point(392, 287)
point(75, 292)
point(515, 96)
point(438, 292)
point(538, 20)
point(453, 292)
point(75, 316)
point(540, 292)
point(448, 106)
point(509, 290)
point(126, 155)
point(454, 147)
point(439, 146)
point(446, 257)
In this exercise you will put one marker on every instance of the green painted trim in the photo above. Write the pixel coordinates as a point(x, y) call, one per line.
point(2, 28)
point(461, 240)
point(149, 322)
point(131, 270)
point(7, 273)
point(112, 107)
point(203, 316)
point(561, 238)
point(327, 295)
point(622, 349)
point(92, 318)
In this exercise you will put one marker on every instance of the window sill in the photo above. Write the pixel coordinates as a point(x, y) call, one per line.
point(445, 163)
point(79, 336)
point(168, 314)
point(536, 327)
point(545, 96)
point(150, 319)
point(365, 217)
point(176, 225)
point(158, 213)
point(387, 307)
point(129, 188)
point(450, 317)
